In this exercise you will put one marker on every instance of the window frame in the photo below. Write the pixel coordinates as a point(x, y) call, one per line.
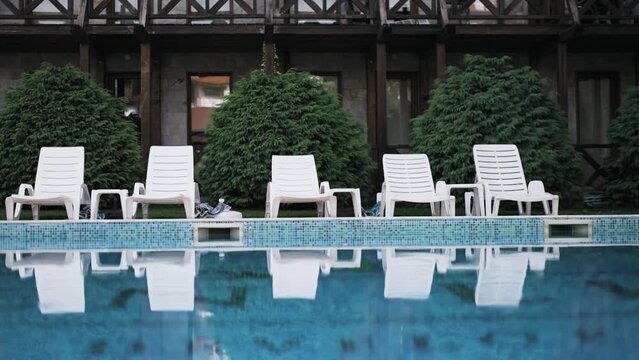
point(189, 97)
point(413, 77)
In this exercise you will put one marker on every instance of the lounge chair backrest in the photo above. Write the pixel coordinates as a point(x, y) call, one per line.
point(499, 167)
point(408, 174)
point(60, 171)
point(170, 171)
point(294, 175)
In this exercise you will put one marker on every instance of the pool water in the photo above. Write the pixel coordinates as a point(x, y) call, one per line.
point(583, 306)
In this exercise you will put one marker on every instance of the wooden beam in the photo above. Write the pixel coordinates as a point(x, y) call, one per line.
point(146, 84)
point(371, 122)
point(269, 58)
point(440, 59)
point(156, 105)
point(442, 13)
point(562, 75)
point(574, 11)
point(380, 98)
point(85, 57)
point(424, 83)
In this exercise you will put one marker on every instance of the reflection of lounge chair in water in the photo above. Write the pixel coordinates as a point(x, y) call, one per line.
point(409, 274)
point(500, 281)
point(170, 278)
point(59, 279)
point(295, 273)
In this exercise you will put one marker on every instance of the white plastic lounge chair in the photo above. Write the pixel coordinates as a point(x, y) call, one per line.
point(409, 275)
point(169, 180)
point(59, 181)
point(294, 180)
point(170, 278)
point(501, 281)
point(295, 273)
point(536, 257)
point(407, 177)
point(59, 279)
point(500, 172)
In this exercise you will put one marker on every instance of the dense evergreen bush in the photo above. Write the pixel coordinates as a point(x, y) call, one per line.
point(61, 106)
point(489, 101)
point(623, 163)
point(284, 114)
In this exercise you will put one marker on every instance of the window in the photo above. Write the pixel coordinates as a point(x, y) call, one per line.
point(597, 100)
point(330, 80)
point(400, 108)
point(127, 86)
point(206, 94)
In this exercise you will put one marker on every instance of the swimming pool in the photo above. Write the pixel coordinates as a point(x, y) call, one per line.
point(582, 303)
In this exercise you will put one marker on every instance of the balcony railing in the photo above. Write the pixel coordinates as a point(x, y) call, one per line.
point(400, 12)
point(37, 11)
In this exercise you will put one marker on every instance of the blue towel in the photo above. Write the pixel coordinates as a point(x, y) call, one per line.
point(205, 210)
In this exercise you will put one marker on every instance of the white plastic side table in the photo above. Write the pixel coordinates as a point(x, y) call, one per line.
point(478, 194)
point(96, 264)
point(95, 200)
point(355, 197)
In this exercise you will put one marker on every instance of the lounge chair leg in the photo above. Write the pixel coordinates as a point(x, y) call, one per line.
point(8, 206)
point(275, 208)
point(520, 207)
point(145, 211)
point(451, 207)
point(555, 205)
point(390, 208)
point(189, 209)
point(496, 207)
point(70, 211)
point(546, 207)
point(433, 209)
point(528, 208)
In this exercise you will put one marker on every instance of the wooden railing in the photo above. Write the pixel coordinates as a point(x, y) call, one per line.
point(506, 11)
point(412, 11)
point(193, 10)
point(37, 10)
point(327, 10)
point(415, 12)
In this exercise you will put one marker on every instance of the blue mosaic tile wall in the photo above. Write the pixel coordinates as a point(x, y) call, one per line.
point(393, 232)
point(59, 235)
point(140, 234)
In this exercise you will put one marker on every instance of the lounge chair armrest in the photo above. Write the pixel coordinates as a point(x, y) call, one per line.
point(441, 188)
point(325, 188)
point(85, 195)
point(536, 187)
point(25, 189)
point(196, 192)
point(138, 189)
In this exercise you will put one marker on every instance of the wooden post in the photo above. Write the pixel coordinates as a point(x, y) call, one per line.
point(156, 105)
point(269, 58)
point(145, 99)
point(380, 97)
point(440, 59)
point(562, 76)
point(424, 83)
point(85, 57)
point(636, 61)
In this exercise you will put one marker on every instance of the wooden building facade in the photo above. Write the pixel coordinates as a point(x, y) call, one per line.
point(174, 60)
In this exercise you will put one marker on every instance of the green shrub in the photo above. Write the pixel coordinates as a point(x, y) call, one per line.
point(284, 114)
point(489, 101)
point(622, 166)
point(61, 106)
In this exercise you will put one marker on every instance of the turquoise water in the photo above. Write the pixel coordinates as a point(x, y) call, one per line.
point(583, 306)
